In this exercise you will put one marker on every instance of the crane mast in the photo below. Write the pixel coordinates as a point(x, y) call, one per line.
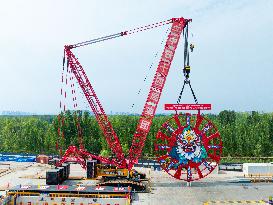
point(148, 113)
point(156, 88)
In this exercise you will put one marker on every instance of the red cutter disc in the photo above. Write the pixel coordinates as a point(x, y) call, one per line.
point(188, 147)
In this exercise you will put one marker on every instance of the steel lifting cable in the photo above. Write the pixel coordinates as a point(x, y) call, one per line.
point(73, 90)
point(194, 96)
point(60, 106)
point(152, 64)
point(61, 117)
point(186, 51)
point(186, 69)
point(64, 92)
point(77, 113)
point(150, 26)
point(97, 40)
point(180, 95)
point(123, 33)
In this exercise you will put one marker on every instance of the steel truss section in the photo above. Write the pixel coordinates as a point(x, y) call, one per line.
point(96, 106)
point(157, 86)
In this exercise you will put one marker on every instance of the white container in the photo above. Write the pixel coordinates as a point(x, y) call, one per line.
point(258, 169)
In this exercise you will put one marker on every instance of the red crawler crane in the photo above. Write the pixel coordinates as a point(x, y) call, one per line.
point(148, 113)
point(188, 147)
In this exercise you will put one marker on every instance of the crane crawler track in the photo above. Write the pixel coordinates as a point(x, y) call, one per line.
point(136, 186)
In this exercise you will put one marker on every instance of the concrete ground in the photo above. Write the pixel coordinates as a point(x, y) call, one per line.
point(214, 189)
point(21, 173)
point(164, 189)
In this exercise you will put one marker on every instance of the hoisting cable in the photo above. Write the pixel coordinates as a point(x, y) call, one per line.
point(152, 64)
point(69, 81)
point(61, 116)
point(186, 69)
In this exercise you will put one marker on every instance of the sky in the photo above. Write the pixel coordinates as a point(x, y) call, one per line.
point(232, 63)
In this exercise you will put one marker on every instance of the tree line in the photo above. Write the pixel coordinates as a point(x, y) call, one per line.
point(243, 134)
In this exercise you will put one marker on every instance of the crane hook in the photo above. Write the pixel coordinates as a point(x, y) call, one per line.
point(191, 47)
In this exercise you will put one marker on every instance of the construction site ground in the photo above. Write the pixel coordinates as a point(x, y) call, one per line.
point(214, 189)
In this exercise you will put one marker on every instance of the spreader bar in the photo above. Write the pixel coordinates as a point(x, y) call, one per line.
point(187, 106)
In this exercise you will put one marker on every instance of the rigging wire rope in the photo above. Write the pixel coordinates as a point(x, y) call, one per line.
point(186, 69)
point(152, 64)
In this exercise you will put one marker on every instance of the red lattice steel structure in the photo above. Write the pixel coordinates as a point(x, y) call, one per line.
point(158, 83)
point(73, 154)
point(95, 105)
point(145, 121)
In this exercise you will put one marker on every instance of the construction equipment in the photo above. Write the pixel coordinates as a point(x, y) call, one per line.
point(122, 164)
point(80, 155)
point(110, 175)
point(109, 171)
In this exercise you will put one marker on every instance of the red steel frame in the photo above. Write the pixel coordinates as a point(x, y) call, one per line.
point(157, 86)
point(73, 154)
point(148, 113)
